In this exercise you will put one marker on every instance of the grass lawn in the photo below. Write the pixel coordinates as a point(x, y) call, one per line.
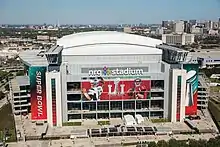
point(159, 120)
point(7, 122)
point(214, 107)
point(214, 80)
point(72, 123)
point(103, 122)
point(214, 88)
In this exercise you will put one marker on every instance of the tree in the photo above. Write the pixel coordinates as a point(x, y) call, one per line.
point(182, 144)
point(7, 87)
point(173, 143)
point(10, 75)
point(202, 143)
point(152, 144)
point(3, 74)
point(162, 143)
point(20, 73)
point(2, 95)
point(213, 142)
point(193, 143)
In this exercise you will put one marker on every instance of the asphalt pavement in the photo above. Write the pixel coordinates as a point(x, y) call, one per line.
point(3, 102)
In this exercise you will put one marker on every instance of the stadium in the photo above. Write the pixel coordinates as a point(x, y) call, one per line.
point(102, 75)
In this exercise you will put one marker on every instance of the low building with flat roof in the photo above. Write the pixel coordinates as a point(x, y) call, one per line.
point(207, 58)
point(179, 39)
point(20, 91)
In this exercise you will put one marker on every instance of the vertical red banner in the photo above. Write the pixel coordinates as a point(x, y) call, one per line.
point(38, 93)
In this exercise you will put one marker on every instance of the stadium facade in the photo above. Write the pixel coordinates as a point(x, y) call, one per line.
point(101, 75)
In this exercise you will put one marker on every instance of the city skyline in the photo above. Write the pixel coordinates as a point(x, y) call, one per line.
point(105, 12)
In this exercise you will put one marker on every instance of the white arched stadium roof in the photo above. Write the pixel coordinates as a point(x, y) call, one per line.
point(108, 42)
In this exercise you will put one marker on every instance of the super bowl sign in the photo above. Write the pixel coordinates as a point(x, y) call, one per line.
point(38, 93)
point(115, 71)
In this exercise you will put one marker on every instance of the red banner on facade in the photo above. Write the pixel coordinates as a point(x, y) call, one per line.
point(116, 89)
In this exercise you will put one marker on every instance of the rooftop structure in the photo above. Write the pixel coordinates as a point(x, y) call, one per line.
point(105, 37)
point(171, 48)
point(107, 43)
point(207, 58)
point(34, 58)
point(111, 49)
point(93, 43)
point(173, 54)
point(18, 82)
point(54, 50)
point(206, 53)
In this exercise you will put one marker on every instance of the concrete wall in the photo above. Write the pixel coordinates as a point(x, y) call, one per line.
point(56, 76)
point(173, 103)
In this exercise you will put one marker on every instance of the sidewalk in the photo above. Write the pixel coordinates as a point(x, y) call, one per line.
point(3, 102)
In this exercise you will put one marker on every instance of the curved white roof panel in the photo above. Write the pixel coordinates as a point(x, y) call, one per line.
point(108, 42)
point(111, 49)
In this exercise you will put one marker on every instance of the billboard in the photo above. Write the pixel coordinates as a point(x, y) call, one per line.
point(38, 93)
point(115, 89)
point(191, 88)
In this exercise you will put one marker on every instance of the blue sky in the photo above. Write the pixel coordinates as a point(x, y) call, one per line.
point(105, 11)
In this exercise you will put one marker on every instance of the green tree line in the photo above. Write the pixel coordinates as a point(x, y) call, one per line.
point(213, 142)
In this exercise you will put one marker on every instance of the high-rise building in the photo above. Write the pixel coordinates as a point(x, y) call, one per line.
point(187, 27)
point(208, 24)
point(165, 24)
point(159, 31)
point(192, 22)
point(179, 27)
point(215, 25)
point(219, 23)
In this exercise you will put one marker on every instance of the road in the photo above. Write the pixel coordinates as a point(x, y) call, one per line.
point(2, 87)
point(85, 142)
point(3, 102)
point(12, 68)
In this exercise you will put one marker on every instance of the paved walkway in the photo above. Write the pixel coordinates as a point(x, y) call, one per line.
point(3, 102)
point(100, 141)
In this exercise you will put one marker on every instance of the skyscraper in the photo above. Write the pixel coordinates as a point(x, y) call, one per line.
point(187, 27)
point(192, 22)
point(165, 24)
point(179, 27)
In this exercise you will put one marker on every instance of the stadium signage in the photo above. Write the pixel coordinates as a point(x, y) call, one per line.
point(39, 94)
point(115, 72)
